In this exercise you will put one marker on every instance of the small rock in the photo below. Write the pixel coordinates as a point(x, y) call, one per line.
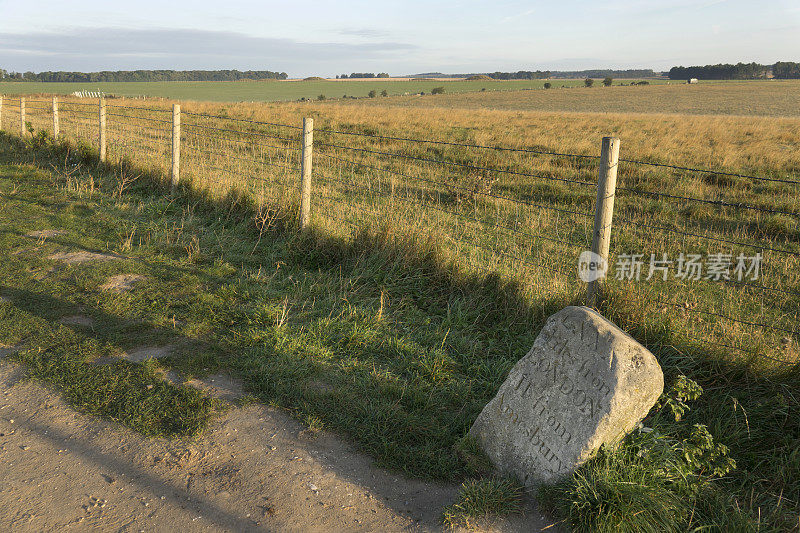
point(148, 352)
point(46, 233)
point(77, 320)
point(121, 283)
point(81, 257)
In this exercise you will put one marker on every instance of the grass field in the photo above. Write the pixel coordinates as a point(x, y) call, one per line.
point(775, 98)
point(406, 324)
point(269, 91)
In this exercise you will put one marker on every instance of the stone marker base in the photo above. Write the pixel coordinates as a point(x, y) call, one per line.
point(584, 383)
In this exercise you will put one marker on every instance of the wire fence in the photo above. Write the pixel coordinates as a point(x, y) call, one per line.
point(705, 257)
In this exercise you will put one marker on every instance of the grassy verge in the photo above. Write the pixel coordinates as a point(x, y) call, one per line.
point(482, 498)
point(380, 337)
point(40, 296)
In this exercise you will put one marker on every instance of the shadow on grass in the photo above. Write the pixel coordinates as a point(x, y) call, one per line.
point(414, 431)
point(132, 394)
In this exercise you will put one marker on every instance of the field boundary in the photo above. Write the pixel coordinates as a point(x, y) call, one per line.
point(312, 173)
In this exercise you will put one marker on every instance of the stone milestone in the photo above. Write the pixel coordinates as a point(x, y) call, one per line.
point(584, 383)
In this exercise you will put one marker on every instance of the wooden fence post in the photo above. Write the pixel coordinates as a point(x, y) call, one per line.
point(305, 189)
point(102, 124)
point(55, 118)
point(604, 212)
point(22, 116)
point(176, 145)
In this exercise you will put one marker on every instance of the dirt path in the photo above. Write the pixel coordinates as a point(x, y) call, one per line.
point(256, 469)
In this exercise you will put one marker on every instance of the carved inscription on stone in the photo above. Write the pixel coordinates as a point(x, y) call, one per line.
point(584, 383)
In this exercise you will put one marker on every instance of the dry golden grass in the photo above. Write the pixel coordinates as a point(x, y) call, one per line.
point(767, 145)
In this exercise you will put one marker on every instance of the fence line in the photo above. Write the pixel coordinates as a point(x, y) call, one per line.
point(241, 153)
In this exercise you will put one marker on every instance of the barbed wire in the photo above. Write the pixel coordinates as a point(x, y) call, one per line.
point(463, 145)
point(481, 223)
point(251, 143)
point(492, 251)
point(713, 202)
point(726, 317)
point(453, 163)
point(142, 119)
point(639, 224)
point(748, 352)
point(756, 286)
point(226, 156)
point(136, 108)
point(79, 113)
point(72, 102)
point(482, 193)
point(708, 171)
point(243, 120)
point(253, 133)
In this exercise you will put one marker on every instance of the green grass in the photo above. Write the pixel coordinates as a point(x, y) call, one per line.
point(273, 90)
point(376, 335)
point(37, 292)
point(482, 498)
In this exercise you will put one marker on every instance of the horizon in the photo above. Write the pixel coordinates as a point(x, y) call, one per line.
point(316, 38)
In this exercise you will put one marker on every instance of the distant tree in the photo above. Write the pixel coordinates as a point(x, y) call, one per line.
point(153, 75)
point(373, 93)
point(384, 93)
point(343, 76)
point(547, 85)
point(437, 90)
point(337, 76)
point(726, 71)
point(786, 70)
point(608, 81)
point(588, 82)
point(321, 97)
point(383, 75)
point(520, 75)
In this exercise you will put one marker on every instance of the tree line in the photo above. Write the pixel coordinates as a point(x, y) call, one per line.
point(544, 74)
point(520, 75)
point(144, 75)
point(605, 73)
point(739, 71)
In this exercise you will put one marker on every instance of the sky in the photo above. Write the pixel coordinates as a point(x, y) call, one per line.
point(305, 38)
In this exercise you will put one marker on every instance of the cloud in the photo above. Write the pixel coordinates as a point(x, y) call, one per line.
point(649, 7)
point(525, 13)
point(366, 33)
point(125, 48)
